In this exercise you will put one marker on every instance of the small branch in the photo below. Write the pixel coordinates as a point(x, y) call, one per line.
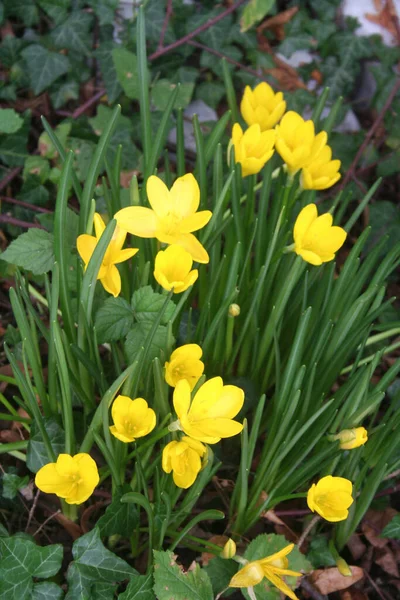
point(310, 589)
point(46, 521)
point(81, 109)
point(196, 31)
point(9, 200)
point(165, 25)
point(307, 530)
point(36, 498)
point(8, 178)
point(370, 134)
point(18, 223)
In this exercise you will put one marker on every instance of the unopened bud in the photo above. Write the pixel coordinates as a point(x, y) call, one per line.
point(234, 310)
point(229, 550)
point(351, 438)
point(343, 567)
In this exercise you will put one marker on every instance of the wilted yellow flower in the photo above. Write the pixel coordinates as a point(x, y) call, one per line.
point(184, 460)
point(185, 363)
point(262, 106)
point(296, 141)
point(273, 568)
point(315, 239)
point(229, 549)
point(253, 148)
point(172, 216)
point(343, 567)
point(322, 172)
point(209, 417)
point(172, 269)
point(108, 272)
point(132, 418)
point(331, 497)
point(352, 438)
point(71, 477)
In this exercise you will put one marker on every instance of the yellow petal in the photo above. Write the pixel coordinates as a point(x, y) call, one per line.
point(86, 244)
point(112, 281)
point(307, 216)
point(166, 456)
point(277, 555)
point(137, 220)
point(49, 480)
point(185, 196)
point(124, 255)
point(205, 398)
point(99, 225)
point(280, 584)
point(310, 257)
point(249, 576)
point(181, 398)
point(237, 134)
point(195, 222)
point(187, 352)
point(158, 195)
point(221, 427)
point(66, 465)
point(194, 247)
point(123, 437)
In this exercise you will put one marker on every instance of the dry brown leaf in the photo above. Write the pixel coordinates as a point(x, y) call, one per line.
point(356, 546)
point(271, 516)
point(7, 436)
point(330, 580)
point(387, 561)
point(373, 524)
point(353, 594)
point(386, 16)
point(72, 528)
point(126, 177)
point(218, 540)
point(277, 22)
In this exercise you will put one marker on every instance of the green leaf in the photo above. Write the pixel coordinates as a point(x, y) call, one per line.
point(56, 9)
point(113, 320)
point(82, 585)
point(125, 63)
point(319, 554)
point(172, 582)
point(220, 572)
point(21, 559)
point(38, 166)
point(13, 147)
point(384, 221)
point(36, 456)
point(47, 591)
point(147, 304)
point(136, 339)
point(12, 483)
point(392, 529)
point(253, 12)
point(46, 146)
point(119, 518)
point(139, 588)
point(63, 92)
point(162, 90)
point(25, 10)
point(44, 67)
point(108, 71)
point(105, 10)
point(73, 33)
point(10, 49)
point(10, 121)
point(32, 251)
point(155, 16)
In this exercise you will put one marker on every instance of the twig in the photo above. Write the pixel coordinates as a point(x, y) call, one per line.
point(13, 221)
point(307, 530)
point(376, 588)
point(168, 14)
point(33, 507)
point(196, 31)
point(370, 134)
point(310, 589)
point(46, 521)
point(8, 178)
point(9, 200)
point(228, 59)
point(81, 109)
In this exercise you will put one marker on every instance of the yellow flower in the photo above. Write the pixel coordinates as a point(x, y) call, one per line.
point(132, 418)
point(315, 240)
point(184, 459)
point(229, 550)
point(71, 477)
point(253, 148)
point(331, 497)
point(108, 273)
point(185, 363)
point(322, 172)
point(296, 141)
point(172, 216)
point(209, 417)
point(262, 106)
point(352, 438)
point(272, 567)
point(172, 269)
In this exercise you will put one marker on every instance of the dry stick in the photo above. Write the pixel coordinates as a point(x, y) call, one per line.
point(165, 25)
point(81, 109)
point(33, 507)
point(13, 221)
point(307, 530)
point(9, 200)
point(370, 134)
point(8, 178)
point(195, 32)
point(310, 589)
point(46, 521)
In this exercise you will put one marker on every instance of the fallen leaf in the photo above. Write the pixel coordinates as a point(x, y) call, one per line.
point(356, 546)
point(126, 177)
point(72, 528)
point(387, 561)
point(373, 524)
point(330, 580)
point(353, 594)
point(386, 16)
point(7, 436)
point(277, 22)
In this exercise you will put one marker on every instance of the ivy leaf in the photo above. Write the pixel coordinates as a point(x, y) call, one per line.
point(13, 147)
point(47, 591)
point(11, 484)
point(139, 588)
point(147, 304)
point(25, 10)
point(56, 9)
point(172, 582)
point(119, 518)
point(63, 92)
point(10, 121)
point(137, 338)
point(125, 63)
point(33, 251)
point(113, 320)
point(73, 33)
point(384, 221)
point(163, 89)
point(155, 16)
point(36, 456)
point(44, 67)
point(108, 70)
point(105, 10)
point(253, 12)
point(392, 529)
point(83, 585)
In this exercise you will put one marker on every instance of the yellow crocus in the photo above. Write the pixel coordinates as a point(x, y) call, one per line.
point(322, 173)
point(253, 148)
point(184, 459)
point(296, 141)
point(108, 273)
point(184, 363)
point(132, 418)
point(331, 498)
point(262, 105)
point(209, 417)
point(315, 239)
point(352, 438)
point(172, 217)
point(172, 269)
point(72, 478)
point(273, 568)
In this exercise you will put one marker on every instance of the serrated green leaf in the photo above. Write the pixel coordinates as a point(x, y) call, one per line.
point(36, 456)
point(392, 529)
point(119, 518)
point(113, 320)
point(220, 572)
point(47, 591)
point(253, 12)
point(172, 582)
point(32, 251)
point(44, 67)
point(319, 554)
point(11, 483)
point(146, 305)
point(137, 337)
point(125, 64)
point(10, 121)
point(73, 33)
point(139, 588)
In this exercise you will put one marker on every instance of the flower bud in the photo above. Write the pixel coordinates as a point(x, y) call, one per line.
point(343, 567)
point(229, 550)
point(234, 310)
point(352, 438)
